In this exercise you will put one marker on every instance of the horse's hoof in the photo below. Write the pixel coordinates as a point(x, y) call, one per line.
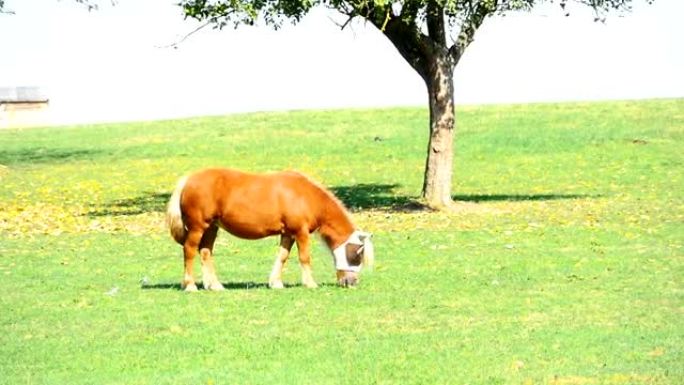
point(311, 285)
point(276, 285)
point(215, 286)
point(190, 288)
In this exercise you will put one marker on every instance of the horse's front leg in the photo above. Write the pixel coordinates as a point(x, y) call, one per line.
point(209, 279)
point(275, 280)
point(303, 247)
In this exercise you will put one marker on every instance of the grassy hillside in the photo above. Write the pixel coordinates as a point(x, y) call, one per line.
point(564, 266)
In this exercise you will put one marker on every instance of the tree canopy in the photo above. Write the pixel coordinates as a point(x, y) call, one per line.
point(465, 14)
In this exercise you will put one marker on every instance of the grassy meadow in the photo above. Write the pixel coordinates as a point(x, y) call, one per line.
point(564, 265)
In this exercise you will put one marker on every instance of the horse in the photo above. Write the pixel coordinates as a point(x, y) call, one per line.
point(255, 206)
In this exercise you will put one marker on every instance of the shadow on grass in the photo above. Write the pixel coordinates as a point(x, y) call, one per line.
point(248, 285)
point(45, 155)
point(149, 202)
point(355, 197)
point(383, 197)
point(363, 196)
point(517, 197)
point(376, 196)
point(226, 285)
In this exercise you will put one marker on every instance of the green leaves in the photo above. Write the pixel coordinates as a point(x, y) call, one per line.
point(222, 13)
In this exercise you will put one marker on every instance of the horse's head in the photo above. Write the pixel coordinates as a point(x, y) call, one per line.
point(351, 255)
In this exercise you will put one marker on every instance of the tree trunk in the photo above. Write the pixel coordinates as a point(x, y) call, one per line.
point(439, 163)
point(434, 61)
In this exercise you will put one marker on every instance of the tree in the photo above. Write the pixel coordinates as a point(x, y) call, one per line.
point(431, 35)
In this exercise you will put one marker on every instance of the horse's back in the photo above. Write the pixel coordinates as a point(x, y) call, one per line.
point(253, 205)
point(227, 184)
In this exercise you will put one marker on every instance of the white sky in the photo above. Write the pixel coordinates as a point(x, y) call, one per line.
point(108, 65)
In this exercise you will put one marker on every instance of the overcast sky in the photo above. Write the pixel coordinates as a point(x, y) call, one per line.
point(112, 64)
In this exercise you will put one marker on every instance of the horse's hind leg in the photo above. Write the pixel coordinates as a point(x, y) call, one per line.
point(275, 280)
point(303, 243)
point(209, 279)
point(189, 251)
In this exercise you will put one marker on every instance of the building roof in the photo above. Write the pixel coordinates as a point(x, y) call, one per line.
point(22, 95)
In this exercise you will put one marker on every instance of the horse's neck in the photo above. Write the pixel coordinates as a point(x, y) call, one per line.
point(336, 227)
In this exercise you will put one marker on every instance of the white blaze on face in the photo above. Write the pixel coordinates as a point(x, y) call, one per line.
point(358, 238)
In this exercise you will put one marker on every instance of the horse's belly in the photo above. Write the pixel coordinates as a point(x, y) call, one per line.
point(248, 229)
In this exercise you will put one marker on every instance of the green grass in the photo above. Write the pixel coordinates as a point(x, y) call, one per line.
point(564, 267)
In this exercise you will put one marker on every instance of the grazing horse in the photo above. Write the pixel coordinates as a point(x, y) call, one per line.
point(254, 206)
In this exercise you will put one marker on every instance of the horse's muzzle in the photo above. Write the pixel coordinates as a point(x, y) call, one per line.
point(347, 279)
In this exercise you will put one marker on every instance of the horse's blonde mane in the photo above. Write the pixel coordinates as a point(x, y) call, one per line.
point(330, 195)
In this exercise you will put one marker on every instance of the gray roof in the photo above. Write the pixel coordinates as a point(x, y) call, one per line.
point(22, 95)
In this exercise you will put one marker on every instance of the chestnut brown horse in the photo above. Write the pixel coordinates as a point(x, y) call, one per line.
point(254, 206)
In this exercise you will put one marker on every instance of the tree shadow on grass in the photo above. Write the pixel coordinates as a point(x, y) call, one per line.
point(45, 155)
point(477, 198)
point(146, 203)
point(362, 196)
point(356, 197)
point(377, 196)
point(383, 197)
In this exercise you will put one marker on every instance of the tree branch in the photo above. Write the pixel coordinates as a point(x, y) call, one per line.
point(350, 16)
point(194, 31)
point(435, 22)
point(475, 15)
point(413, 46)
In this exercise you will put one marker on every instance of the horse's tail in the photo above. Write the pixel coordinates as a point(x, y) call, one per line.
point(174, 216)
